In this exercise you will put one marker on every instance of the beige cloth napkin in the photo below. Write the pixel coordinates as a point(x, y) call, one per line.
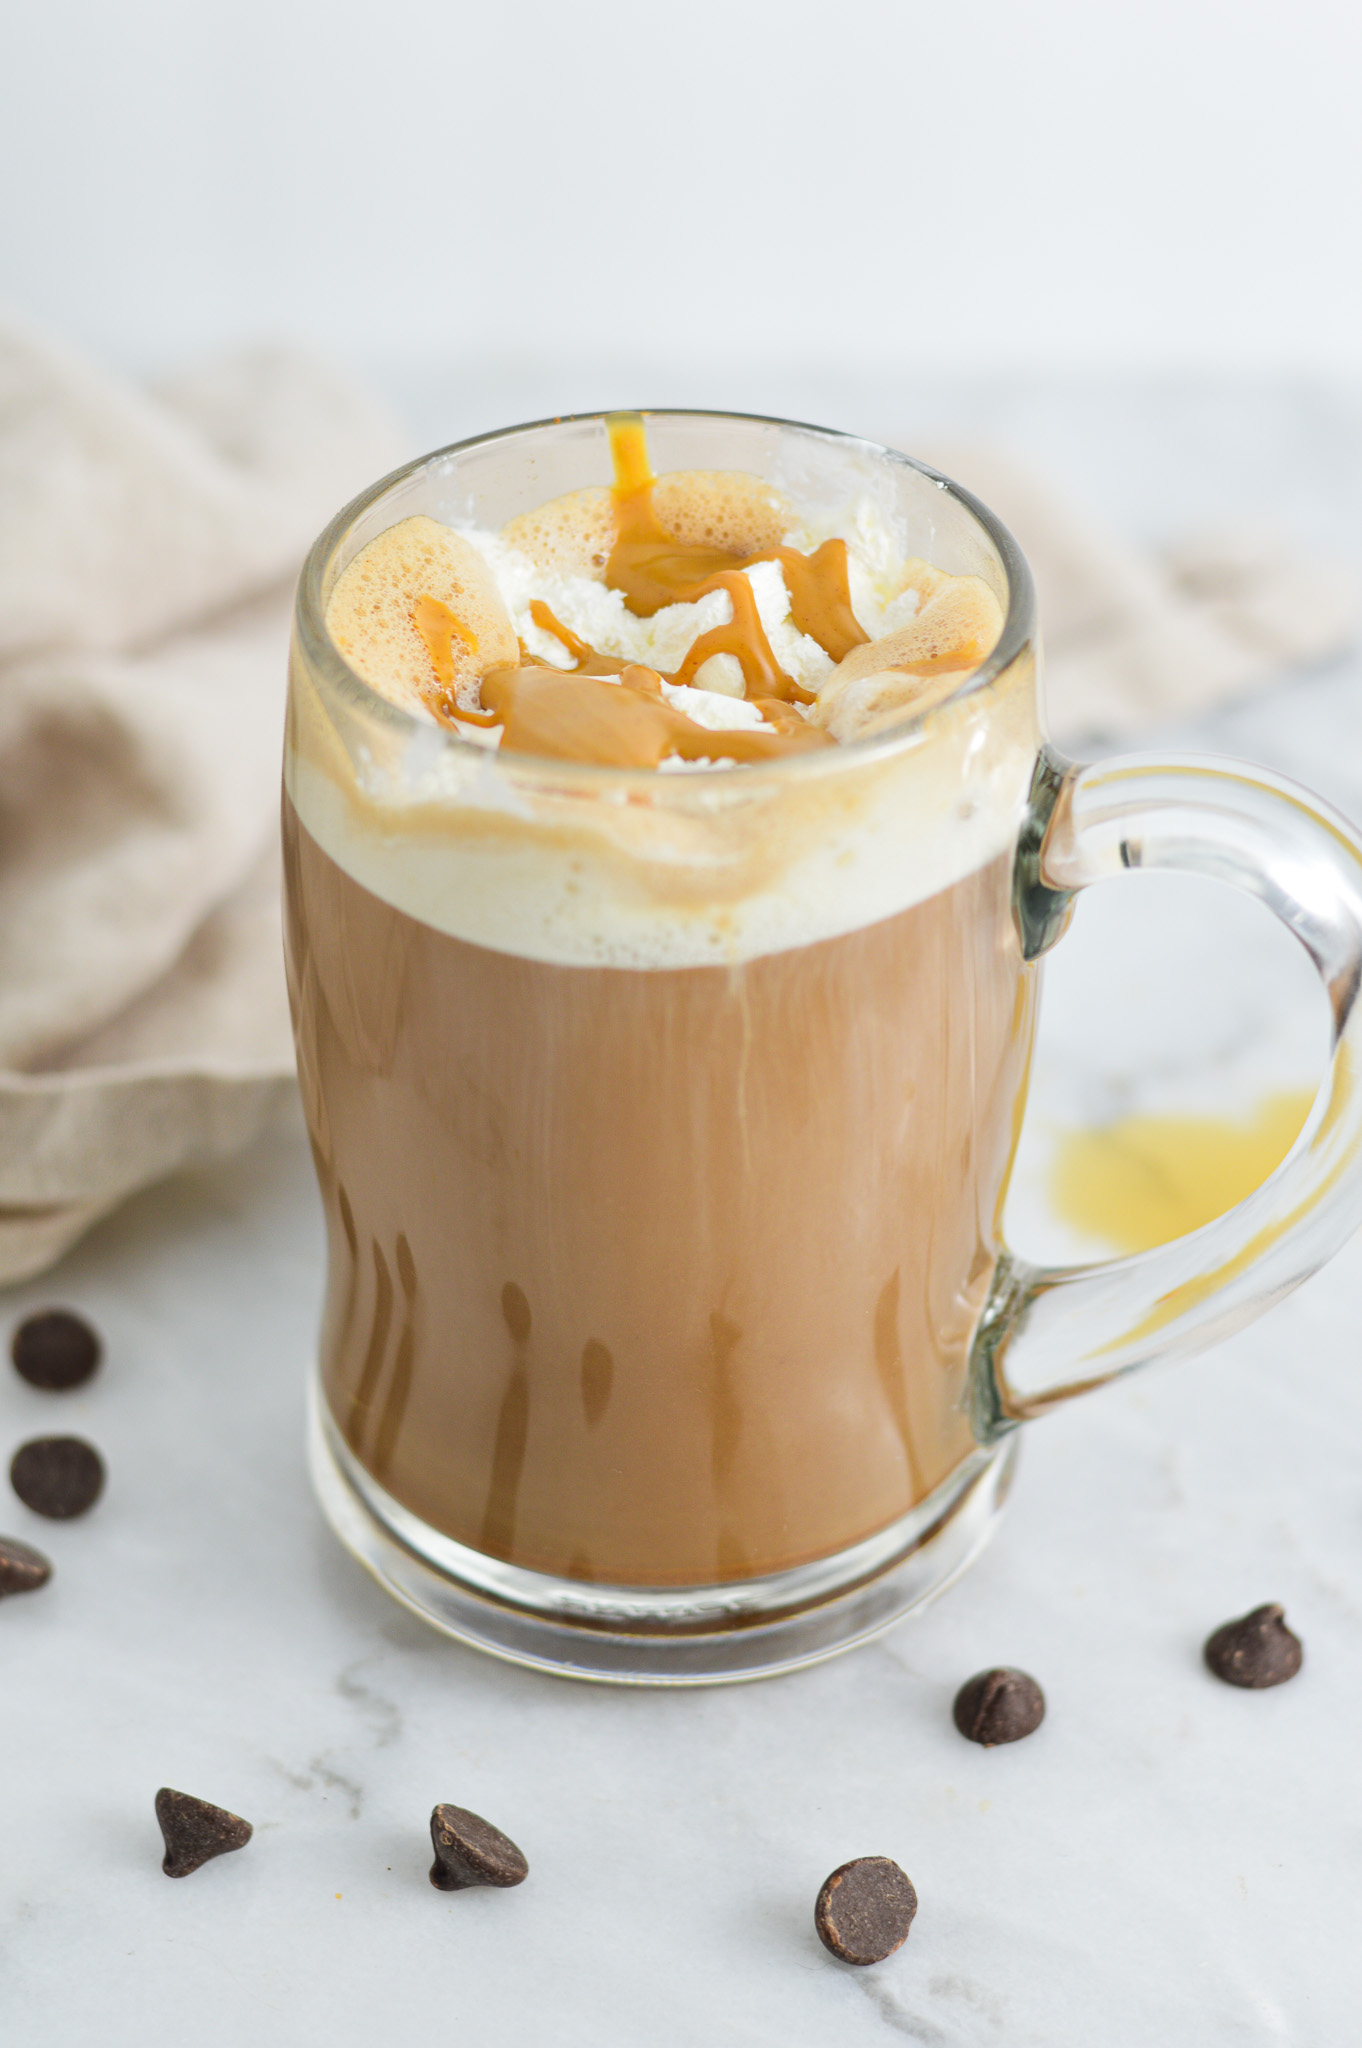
point(148, 545)
point(1135, 641)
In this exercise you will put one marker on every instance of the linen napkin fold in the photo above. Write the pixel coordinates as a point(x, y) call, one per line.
point(149, 540)
point(1136, 640)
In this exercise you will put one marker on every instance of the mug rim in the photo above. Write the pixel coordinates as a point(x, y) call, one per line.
point(326, 659)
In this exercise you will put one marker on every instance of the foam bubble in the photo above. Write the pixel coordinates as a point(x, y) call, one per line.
point(371, 616)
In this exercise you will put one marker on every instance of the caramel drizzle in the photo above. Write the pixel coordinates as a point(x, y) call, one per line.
point(439, 627)
point(820, 596)
point(775, 710)
point(652, 570)
point(743, 636)
point(613, 711)
point(585, 657)
point(628, 723)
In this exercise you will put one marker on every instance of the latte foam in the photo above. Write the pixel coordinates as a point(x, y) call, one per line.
point(463, 826)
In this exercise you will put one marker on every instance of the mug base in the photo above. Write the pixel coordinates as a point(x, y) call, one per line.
point(643, 1635)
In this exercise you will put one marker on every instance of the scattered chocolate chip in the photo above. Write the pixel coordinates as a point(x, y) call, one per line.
point(865, 1909)
point(22, 1569)
point(470, 1851)
point(1256, 1651)
point(59, 1476)
point(196, 1832)
point(55, 1350)
point(999, 1706)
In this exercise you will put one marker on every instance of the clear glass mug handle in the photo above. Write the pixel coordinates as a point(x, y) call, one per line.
point(1049, 1332)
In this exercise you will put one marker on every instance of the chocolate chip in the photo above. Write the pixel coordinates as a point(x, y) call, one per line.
point(59, 1476)
point(999, 1706)
point(22, 1569)
point(1256, 1651)
point(470, 1851)
point(196, 1832)
point(55, 1350)
point(865, 1909)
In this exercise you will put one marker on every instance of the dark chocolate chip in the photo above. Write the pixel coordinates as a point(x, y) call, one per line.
point(999, 1706)
point(865, 1909)
point(1256, 1651)
point(22, 1569)
point(55, 1350)
point(196, 1832)
point(470, 1851)
point(58, 1476)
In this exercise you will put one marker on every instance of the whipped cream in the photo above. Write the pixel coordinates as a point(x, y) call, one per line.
point(556, 862)
point(597, 614)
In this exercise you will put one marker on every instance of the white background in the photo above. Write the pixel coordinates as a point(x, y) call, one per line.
point(643, 192)
point(744, 202)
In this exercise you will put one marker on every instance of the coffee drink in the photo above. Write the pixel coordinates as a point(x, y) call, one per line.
point(662, 1036)
point(656, 1277)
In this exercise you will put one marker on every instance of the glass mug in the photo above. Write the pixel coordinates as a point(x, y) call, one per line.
point(664, 1122)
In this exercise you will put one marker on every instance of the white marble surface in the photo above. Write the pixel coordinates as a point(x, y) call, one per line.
point(1168, 1861)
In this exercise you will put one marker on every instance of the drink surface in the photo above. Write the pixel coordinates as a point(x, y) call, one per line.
point(700, 619)
point(656, 1277)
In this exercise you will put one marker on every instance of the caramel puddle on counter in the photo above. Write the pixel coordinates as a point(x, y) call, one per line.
point(1145, 1179)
